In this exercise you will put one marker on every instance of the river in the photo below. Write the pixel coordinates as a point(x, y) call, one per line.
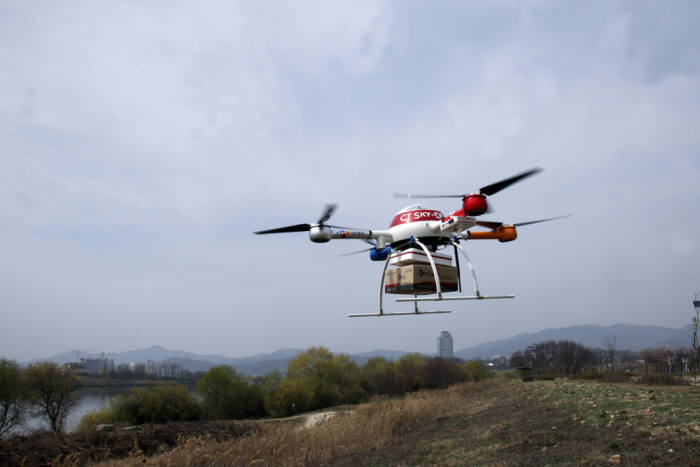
point(91, 398)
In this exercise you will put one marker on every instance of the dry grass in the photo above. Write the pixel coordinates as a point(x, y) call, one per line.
point(495, 422)
point(370, 427)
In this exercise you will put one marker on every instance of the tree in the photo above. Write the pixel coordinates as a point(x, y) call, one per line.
point(573, 356)
point(649, 357)
point(610, 345)
point(331, 379)
point(558, 356)
point(293, 396)
point(379, 376)
point(225, 394)
point(519, 359)
point(410, 372)
point(441, 372)
point(12, 396)
point(53, 391)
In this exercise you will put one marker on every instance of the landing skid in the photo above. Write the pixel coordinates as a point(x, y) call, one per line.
point(438, 296)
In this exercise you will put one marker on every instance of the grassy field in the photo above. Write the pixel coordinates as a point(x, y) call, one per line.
point(497, 421)
point(492, 422)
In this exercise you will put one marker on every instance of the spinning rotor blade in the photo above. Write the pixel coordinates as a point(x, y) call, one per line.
point(494, 188)
point(489, 224)
point(411, 195)
point(541, 220)
point(327, 213)
point(357, 252)
point(289, 228)
point(488, 190)
point(341, 227)
point(497, 225)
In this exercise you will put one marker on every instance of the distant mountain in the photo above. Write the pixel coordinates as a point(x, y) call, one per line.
point(259, 364)
point(627, 336)
point(253, 365)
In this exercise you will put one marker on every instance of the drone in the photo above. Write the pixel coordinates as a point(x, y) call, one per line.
point(415, 242)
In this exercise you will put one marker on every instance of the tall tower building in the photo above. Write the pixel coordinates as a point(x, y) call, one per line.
point(445, 345)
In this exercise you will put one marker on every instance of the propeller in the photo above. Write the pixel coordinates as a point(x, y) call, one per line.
point(327, 213)
point(493, 225)
point(487, 190)
point(357, 252)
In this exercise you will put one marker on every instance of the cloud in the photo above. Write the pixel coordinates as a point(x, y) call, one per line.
point(142, 143)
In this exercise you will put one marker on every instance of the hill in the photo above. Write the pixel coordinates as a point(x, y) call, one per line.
point(628, 337)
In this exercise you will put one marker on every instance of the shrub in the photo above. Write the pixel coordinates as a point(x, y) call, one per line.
point(105, 416)
point(476, 371)
point(545, 376)
point(589, 374)
point(616, 377)
point(225, 394)
point(661, 379)
point(508, 374)
point(159, 404)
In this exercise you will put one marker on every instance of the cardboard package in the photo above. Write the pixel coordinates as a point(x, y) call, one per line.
point(418, 279)
point(417, 255)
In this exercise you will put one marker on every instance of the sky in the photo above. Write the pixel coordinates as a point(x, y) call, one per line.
point(144, 142)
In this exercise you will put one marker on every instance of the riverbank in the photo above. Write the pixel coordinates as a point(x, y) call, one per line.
point(96, 382)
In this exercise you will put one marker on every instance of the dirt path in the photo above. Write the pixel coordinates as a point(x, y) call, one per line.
point(315, 418)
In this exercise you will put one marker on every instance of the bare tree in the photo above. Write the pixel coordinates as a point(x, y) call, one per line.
point(649, 356)
point(53, 391)
point(12, 397)
point(610, 347)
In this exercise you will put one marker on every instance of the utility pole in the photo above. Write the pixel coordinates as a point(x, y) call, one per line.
point(696, 345)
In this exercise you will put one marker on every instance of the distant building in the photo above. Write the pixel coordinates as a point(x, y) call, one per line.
point(445, 345)
point(91, 366)
point(94, 366)
point(151, 368)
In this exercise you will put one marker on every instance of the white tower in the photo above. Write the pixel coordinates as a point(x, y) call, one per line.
point(445, 345)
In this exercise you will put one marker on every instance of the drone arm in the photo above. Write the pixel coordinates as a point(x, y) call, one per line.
point(507, 233)
point(337, 234)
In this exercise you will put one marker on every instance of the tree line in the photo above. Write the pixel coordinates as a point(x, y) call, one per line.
point(565, 357)
point(315, 379)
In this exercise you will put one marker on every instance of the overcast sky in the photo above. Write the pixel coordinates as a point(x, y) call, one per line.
point(142, 142)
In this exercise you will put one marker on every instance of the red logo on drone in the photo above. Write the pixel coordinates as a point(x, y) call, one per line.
point(416, 216)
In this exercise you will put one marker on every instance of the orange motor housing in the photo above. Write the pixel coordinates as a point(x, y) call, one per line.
point(507, 233)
